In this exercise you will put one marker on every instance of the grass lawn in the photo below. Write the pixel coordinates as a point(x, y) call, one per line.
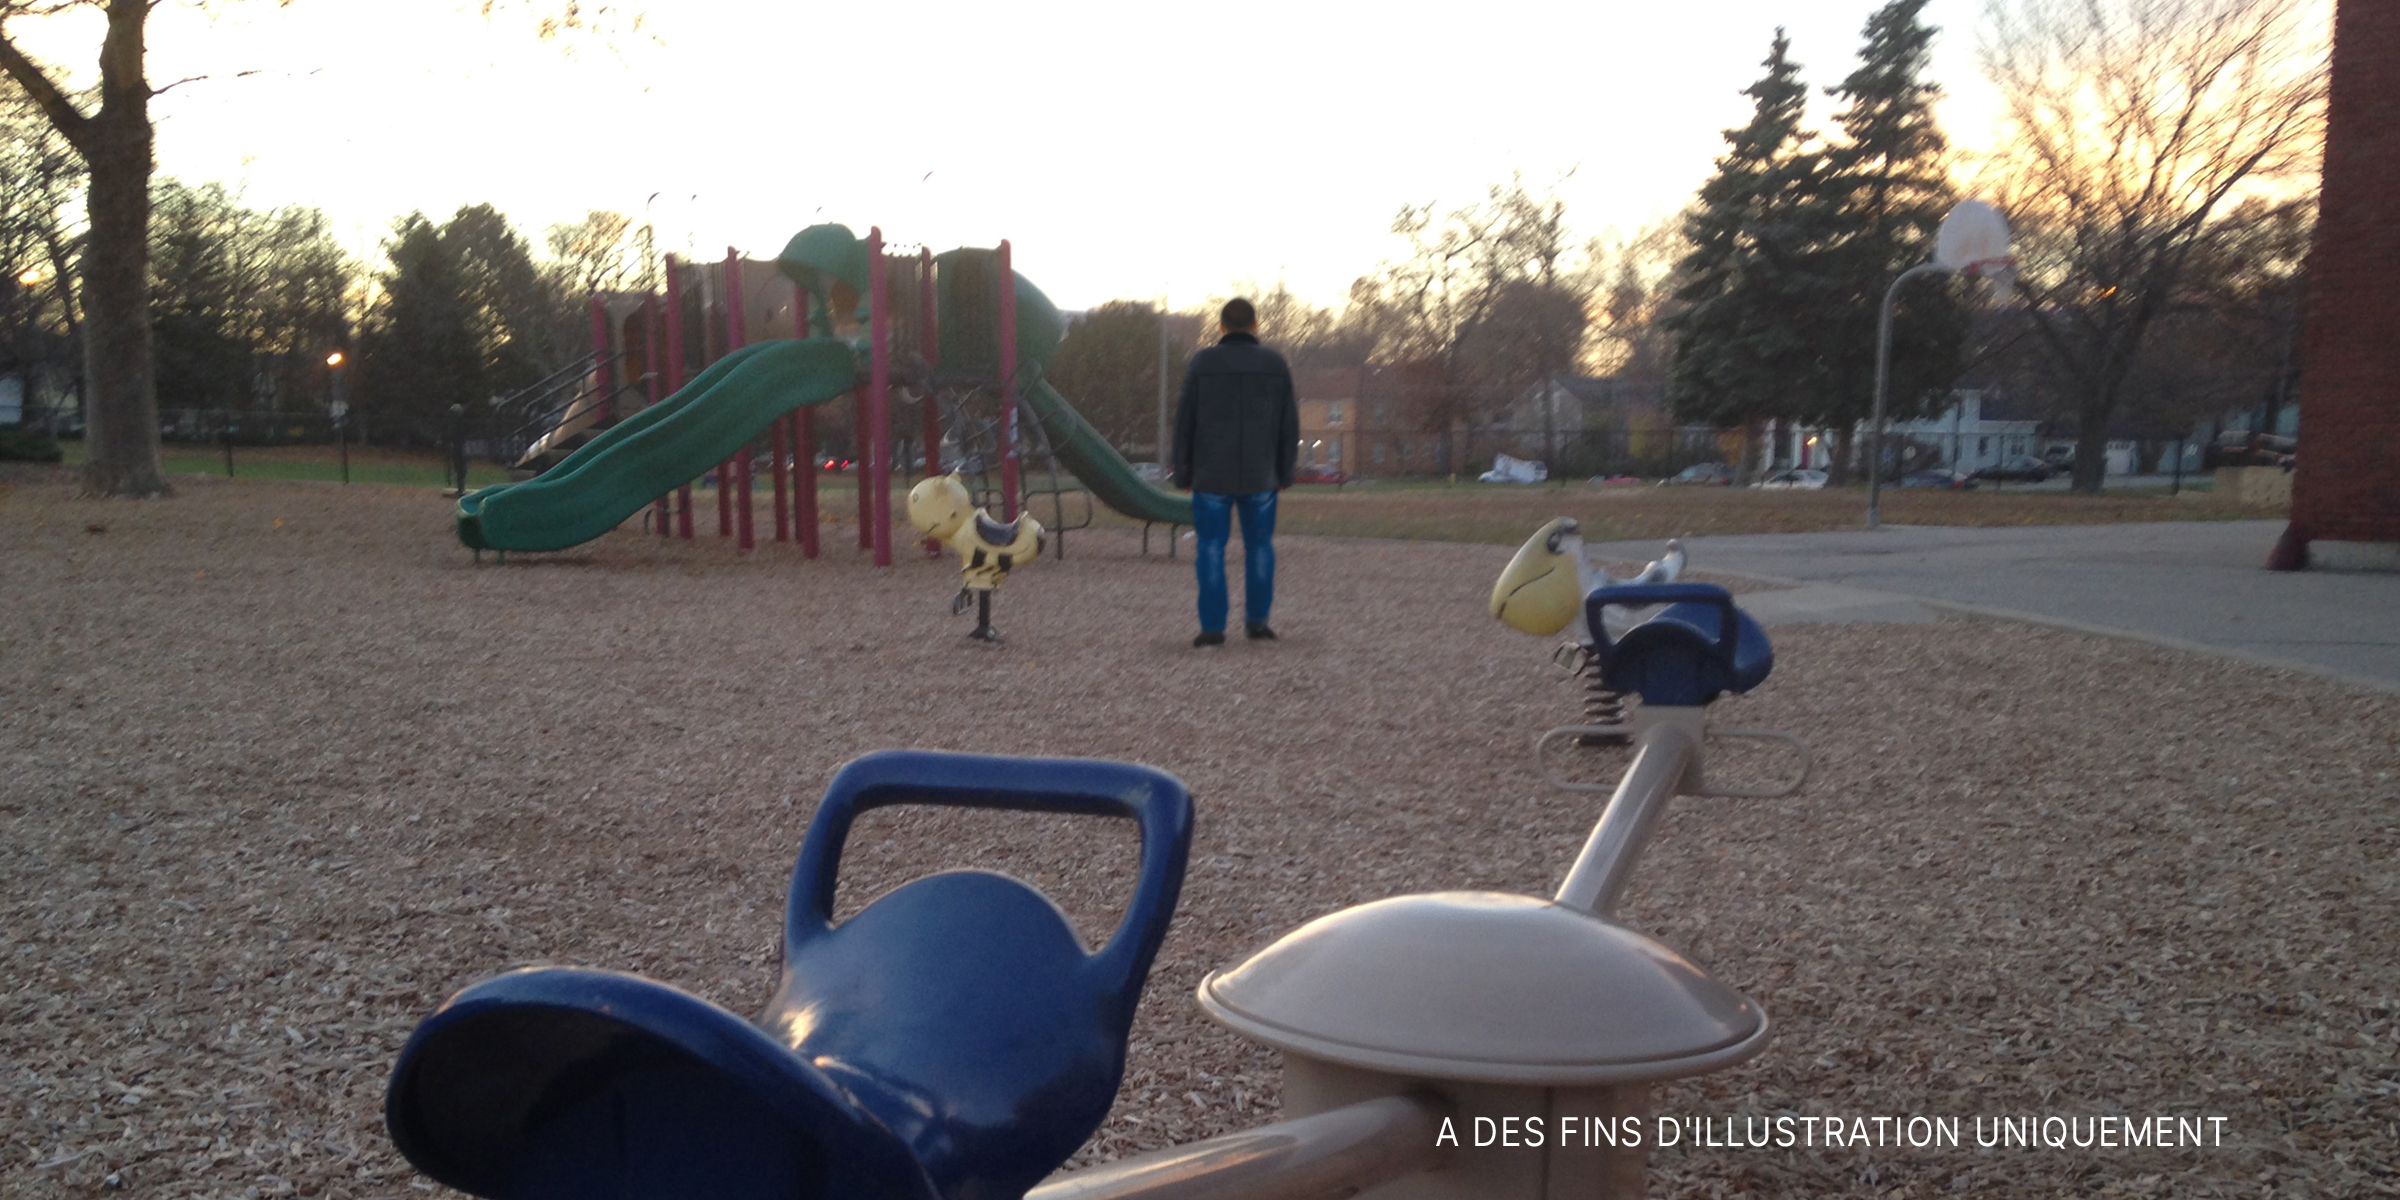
point(368, 464)
point(1406, 509)
point(1502, 515)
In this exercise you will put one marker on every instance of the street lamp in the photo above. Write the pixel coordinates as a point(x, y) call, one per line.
point(339, 409)
point(1973, 241)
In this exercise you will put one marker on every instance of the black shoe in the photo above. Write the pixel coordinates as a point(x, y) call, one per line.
point(1258, 631)
point(1209, 637)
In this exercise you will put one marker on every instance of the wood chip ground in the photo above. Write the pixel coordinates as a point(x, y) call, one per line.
point(281, 768)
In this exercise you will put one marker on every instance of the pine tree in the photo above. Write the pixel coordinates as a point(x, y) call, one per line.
point(422, 354)
point(1745, 341)
point(1885, 189)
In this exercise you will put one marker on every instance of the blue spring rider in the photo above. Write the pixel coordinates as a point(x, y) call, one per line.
point(953, 1041)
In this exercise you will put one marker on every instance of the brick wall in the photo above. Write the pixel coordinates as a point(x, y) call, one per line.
point(2347, 485)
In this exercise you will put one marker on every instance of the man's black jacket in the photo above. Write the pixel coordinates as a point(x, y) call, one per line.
point(1237, 428)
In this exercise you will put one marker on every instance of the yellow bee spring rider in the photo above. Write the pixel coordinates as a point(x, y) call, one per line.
point(941, 509)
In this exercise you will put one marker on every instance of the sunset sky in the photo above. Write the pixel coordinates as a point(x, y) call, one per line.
point(1126, 150)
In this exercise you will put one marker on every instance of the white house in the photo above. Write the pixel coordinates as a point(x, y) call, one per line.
point(1979, 429)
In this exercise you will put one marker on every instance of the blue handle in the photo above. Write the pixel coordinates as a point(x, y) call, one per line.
point(1159, 802)
point(1668, 593)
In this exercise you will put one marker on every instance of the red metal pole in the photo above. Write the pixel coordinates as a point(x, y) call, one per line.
point(783, 515)
point(858, 467)
point(604, 369)
point(736, 336)
point(879, 395)
point(1008, 386)
point(930, 347)
point(683, 493)
point(804, 488)
point(650, 380)
point(710, 351)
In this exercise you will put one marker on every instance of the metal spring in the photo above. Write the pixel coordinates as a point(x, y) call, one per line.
point(1601, 704)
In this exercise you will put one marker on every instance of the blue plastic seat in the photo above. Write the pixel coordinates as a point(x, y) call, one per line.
point(952, 1041)
point(1699, 647)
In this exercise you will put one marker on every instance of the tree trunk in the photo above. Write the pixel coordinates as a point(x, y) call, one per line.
point(1838, 470)
point(2091, 445)
point(1747, 471)
point(121, 445)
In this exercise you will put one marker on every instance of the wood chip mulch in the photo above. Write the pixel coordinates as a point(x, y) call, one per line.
point(281, 768)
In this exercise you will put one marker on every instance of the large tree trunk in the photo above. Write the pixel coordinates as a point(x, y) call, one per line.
point(2091, 444)
point(121, 447)
point(1838, 470)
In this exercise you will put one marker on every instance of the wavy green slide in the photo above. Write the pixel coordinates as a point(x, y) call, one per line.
point(650, 453)
point(1082, 450)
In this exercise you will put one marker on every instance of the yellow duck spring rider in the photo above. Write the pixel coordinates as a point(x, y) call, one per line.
point(942, 509)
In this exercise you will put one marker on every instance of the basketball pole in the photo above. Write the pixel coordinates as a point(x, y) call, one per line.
point(1883, 380)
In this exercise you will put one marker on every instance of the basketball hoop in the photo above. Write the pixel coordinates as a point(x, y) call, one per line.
point(1973, 235)
point(2001, 271)
point(1973, 241)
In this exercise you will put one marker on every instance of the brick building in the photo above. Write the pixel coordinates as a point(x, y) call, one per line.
point(2347, 485)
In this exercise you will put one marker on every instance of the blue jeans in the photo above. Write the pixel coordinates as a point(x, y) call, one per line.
point(1212, 527)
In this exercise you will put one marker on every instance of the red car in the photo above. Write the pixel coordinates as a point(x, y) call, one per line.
point(1320, 473)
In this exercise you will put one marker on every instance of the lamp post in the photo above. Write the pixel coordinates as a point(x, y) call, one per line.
point(339, 407)
point(1973, 241)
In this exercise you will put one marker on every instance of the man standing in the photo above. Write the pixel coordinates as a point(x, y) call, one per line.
point(1237, 438)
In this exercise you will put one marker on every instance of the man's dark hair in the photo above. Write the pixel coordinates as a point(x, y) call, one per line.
point(1238, 317)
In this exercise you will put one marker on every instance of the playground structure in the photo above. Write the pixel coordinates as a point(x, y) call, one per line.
point(960, 335)
point(953, 1040)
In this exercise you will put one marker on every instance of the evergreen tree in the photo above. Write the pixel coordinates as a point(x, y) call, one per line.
point(423, 353)
point(1746, 340)
point(198, 286)
point(1885, 188)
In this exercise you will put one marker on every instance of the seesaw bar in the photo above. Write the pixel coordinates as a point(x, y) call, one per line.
point(1332, 1153)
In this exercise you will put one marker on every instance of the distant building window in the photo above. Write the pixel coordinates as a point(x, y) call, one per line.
point(1404, 450)
point(1333, 452)
point(1383, 412)
point(1379, 450)
point(1333, 412)
point(1983, 446)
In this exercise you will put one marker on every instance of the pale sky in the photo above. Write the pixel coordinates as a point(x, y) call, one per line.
point(1126, 150)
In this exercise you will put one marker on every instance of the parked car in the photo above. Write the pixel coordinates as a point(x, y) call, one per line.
point(1709, 474)
point(2019, 468)
point(1798, 477)
point(1514, 470)
point(1953, 480)
point(2238, 448)
point(1319, 473)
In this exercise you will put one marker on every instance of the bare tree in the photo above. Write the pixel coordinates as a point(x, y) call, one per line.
point(1467, 273)
point(2135, 130)
point(114, 138)
point(600, 253)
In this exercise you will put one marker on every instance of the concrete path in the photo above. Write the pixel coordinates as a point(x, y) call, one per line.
point(2199, 585)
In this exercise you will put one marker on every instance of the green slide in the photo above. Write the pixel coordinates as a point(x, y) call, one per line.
point(665, 445)
point(822, 256)
point(1082, 450)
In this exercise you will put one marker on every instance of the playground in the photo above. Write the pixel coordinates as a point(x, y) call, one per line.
point(287, 768)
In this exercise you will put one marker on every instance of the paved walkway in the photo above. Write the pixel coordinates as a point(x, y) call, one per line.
point(2200, 585)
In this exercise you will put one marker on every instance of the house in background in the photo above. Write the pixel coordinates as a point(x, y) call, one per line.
point(1979, 429)
point(1369, 421)
point(1328, 416)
